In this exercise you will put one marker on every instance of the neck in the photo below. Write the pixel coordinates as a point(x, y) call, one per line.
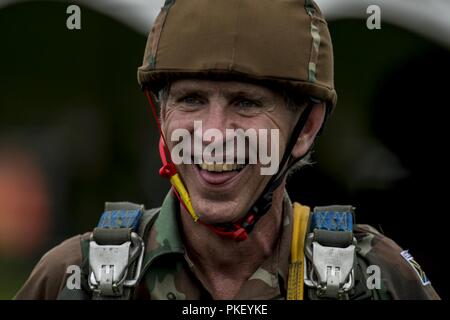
point(221, 262)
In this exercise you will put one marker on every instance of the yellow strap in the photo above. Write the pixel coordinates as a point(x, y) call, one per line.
point(179, 186)
point(296, 267)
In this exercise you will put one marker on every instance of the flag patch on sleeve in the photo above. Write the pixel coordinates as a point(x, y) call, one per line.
point(420, 273)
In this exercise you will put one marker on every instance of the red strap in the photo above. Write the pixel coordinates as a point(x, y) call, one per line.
point(168, 169)
point(239, 233)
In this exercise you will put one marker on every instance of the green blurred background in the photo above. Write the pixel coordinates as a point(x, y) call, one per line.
point(75, 132)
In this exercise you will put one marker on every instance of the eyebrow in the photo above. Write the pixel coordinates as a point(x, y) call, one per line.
point(251, 95)
point(228, 94)
point(188, 91)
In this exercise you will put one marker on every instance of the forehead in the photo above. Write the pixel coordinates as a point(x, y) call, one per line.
point(221, 87)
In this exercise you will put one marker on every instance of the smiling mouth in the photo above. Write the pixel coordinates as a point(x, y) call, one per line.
point(216, 174)
point(221, 167)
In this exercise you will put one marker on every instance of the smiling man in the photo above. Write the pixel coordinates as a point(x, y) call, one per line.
point(226, 230)
point(222, 194)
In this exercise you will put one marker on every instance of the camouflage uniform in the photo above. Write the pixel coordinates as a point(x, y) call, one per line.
point(272, 42)
point(170, 274)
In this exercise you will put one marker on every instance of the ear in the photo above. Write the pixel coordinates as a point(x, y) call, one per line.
point(310, 131)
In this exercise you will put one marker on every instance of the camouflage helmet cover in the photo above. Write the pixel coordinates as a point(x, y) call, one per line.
point(282, 41)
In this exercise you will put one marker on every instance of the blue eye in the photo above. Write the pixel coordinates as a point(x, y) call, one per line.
point(247, 104)
point(191, 100)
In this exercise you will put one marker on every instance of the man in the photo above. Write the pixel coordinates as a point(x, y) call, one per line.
point(226, 230)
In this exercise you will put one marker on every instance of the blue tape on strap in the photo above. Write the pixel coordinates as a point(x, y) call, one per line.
point(117, 219)
point(332, 220)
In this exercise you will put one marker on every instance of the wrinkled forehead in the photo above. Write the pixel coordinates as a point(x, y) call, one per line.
point(222, 87)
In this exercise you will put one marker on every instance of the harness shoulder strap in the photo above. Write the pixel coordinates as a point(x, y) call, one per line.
point(332, 268)
point(329, 252)
point(112, 257)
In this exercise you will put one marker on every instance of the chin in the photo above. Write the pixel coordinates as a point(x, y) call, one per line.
point(219, 213)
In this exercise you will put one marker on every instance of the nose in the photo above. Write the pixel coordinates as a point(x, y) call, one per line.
point(216, 116)
point(215, 122)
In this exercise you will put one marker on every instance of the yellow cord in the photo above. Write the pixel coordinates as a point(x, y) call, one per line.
point(175, 180)
point(296, 267)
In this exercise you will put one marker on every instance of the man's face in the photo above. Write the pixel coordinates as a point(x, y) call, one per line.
point(225, 192)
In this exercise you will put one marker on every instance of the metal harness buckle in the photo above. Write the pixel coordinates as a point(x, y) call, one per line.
point(109, 265)
point(329, 269)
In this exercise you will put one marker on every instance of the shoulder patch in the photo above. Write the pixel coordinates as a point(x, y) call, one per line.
point(410, 259)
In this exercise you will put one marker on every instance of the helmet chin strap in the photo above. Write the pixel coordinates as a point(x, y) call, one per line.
point(239, 230)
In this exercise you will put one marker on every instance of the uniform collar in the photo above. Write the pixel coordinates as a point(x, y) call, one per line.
point(165, 236)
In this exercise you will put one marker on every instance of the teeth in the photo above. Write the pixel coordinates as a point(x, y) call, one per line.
point(216, 167)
